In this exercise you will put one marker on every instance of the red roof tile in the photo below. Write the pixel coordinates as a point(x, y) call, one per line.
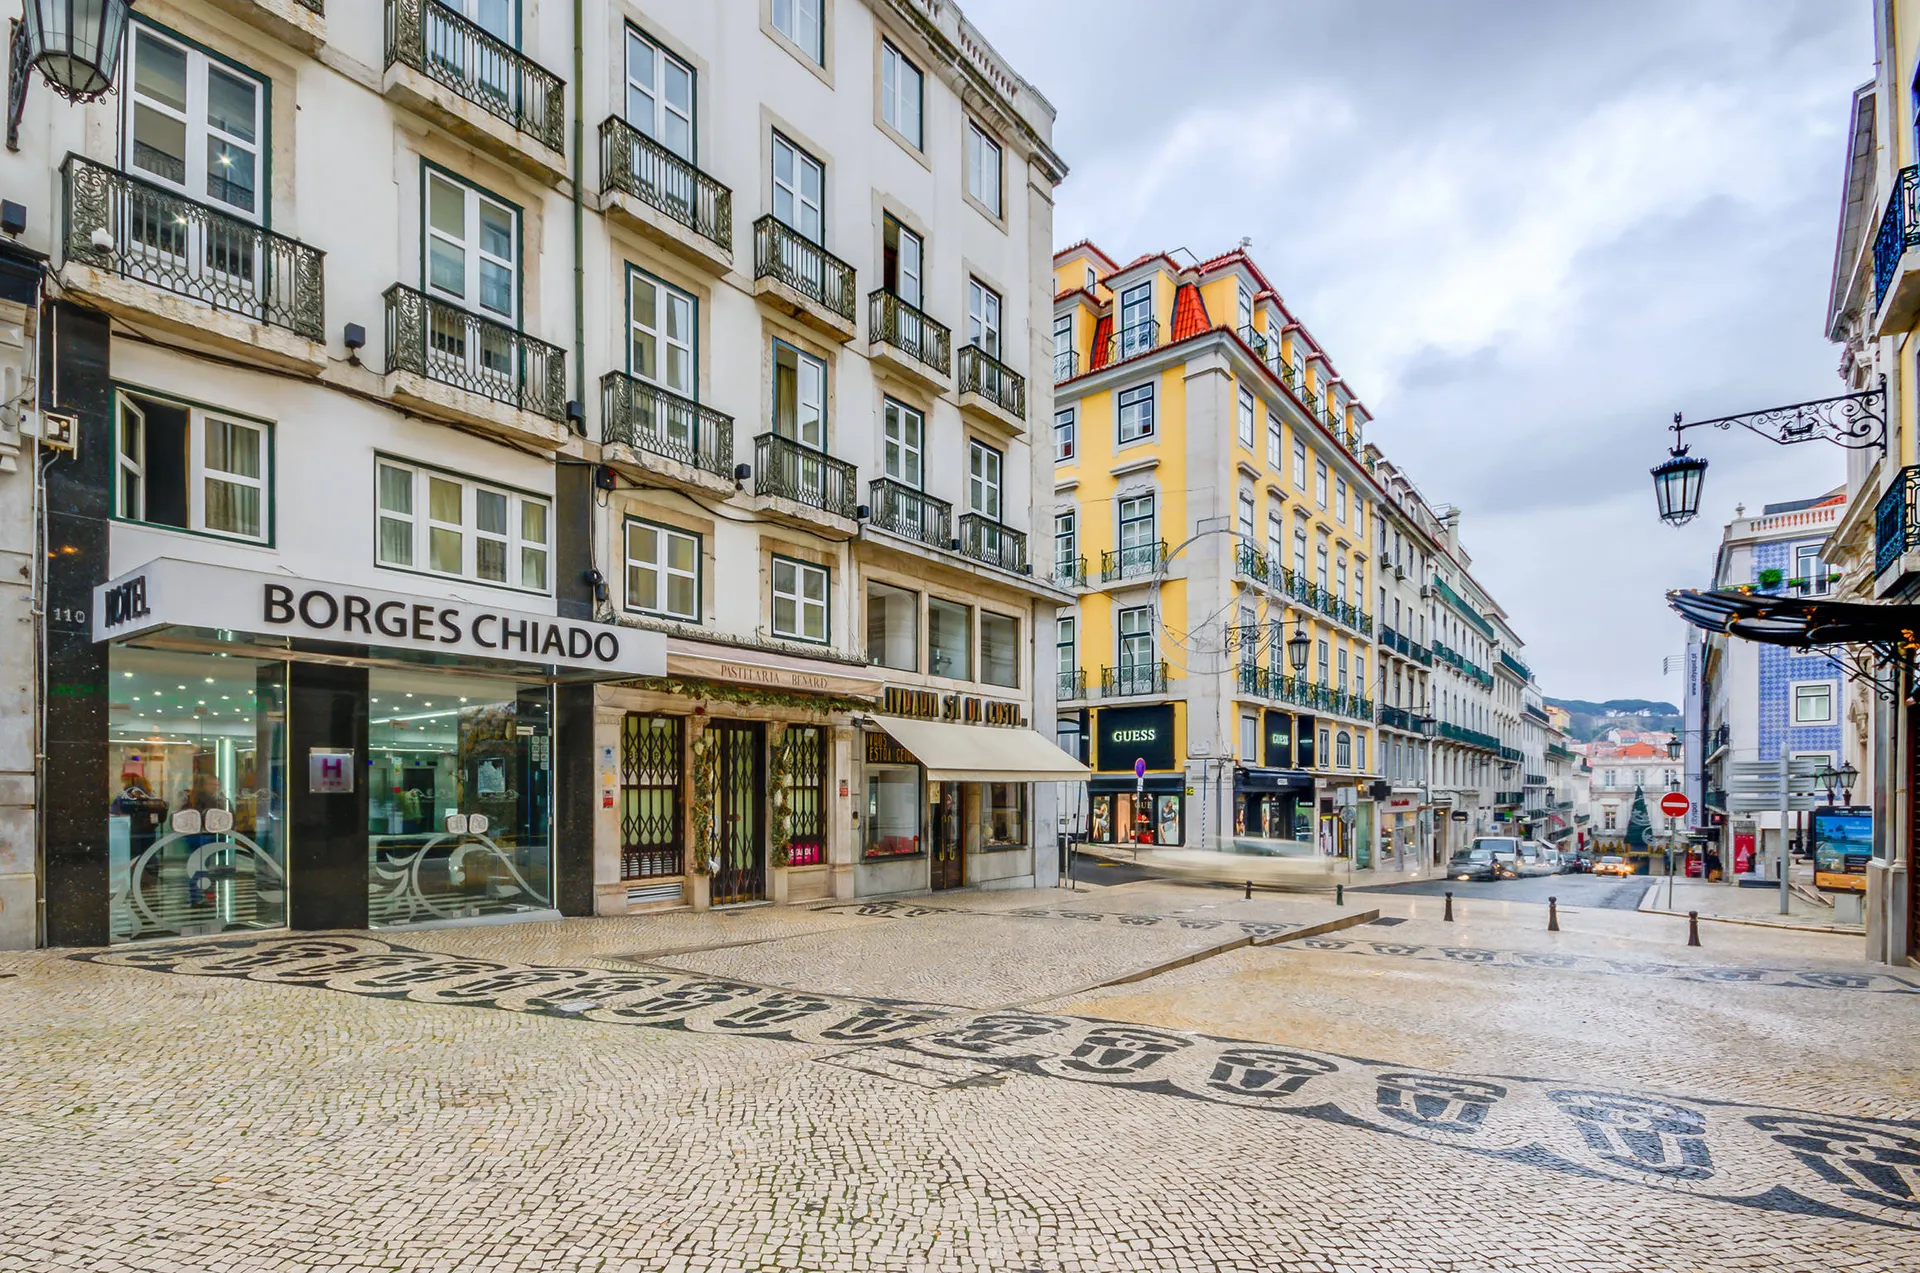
point(1189, 313)
point(1102, 337)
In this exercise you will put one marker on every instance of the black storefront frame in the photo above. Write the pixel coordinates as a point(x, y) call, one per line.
point(1265, 788)
point(1106, 787)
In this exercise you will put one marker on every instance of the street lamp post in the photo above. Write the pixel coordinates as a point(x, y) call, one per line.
point(1852, 420)
point(75, 45)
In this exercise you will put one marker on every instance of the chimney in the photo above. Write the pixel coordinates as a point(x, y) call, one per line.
point(1450, 523)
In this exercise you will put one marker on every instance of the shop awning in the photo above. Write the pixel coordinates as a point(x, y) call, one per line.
point(983, 753)
point(1802, 623)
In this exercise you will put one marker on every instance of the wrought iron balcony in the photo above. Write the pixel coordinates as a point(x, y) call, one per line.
point(984, 539)
point(1471, 737)
point(1071, 685)
point(784, 468)
point(1396, 718)
point(458, 347)
point(1254, 680)
point(1131, 563)
point(1132, 340)
point(893, 321)
point(981, 373)
point(316, 6)
point(1515, 666)
point(1896, 519)
point(1071, 572)
point(649, 418)
point(782, 254)
point(905, 511)
point(183, 246)
point(1421, 654)
point(1132, 679)
point(443, 45)
point(1255, 341)
point(1899, 230)
point(1066, 364)
point(636, 164)
point(1250, 561)
point(1510, 753)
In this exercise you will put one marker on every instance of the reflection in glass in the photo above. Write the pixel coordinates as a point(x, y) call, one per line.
point(893, 810)
point(196, 746)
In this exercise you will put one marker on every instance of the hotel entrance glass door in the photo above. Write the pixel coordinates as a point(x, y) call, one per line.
point(739, 810)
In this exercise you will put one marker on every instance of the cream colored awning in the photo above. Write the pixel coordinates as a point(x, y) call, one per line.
point(983, 753)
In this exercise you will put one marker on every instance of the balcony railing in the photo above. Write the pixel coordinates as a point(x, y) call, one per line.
point(1133, 562)
point(1254, 680)
point(1255, 341)
point(1126, 342)
point(649, 418)
point(984, 539)
point(1066, 364)
point(1131, 679)
point(982, 373)
point(906, 511)
point(1896, 519)
point(1515, 666)
point(1899, 230)
point(632, 162)
point(1396, 718)
point(1510, 753)
point(1071, 572)
point(1070, 685)
point(781, 254)
point(893, 321)
point(1471, 737)
point(315, 6)
point(784, 468)
point(442, 44)
point(183, 246)
point(1250, 561)
point(458, 347)
point(1421, 654)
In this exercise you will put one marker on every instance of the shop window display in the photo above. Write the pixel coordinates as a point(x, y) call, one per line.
point(893, 811)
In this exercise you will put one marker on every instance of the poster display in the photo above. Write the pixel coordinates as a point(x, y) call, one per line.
point(1842, 847)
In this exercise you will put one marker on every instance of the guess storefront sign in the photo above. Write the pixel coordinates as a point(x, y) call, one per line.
point(173, 593)
point(1128, 734)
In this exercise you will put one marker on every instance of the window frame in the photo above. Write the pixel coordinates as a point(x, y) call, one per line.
point(198, 413)
point(891, 99)
point(798, 597)
point(902, 234)
point(1796, 693)
point(665, 293)
point(662, 58)
point(1246, 418)
point(666, 571)
point(894, 447)
point(197, 137)
point(1300, 465)
point(1134, 615)
point(818, 52)
point(917, 625)
point(799, 156)
point(422, 522)
point(978, 143)
point(978, 483)
point(1276, 443)
point(474, 196)
point(1066, 542)
point(1134, 396)
point(1066, 425)
point(984, 310)
point(971, 632)
point(980, 660)
point(1152, 517)
point(801, 359)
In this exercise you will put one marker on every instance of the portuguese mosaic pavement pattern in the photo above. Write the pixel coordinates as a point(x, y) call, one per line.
point(1857, 1171)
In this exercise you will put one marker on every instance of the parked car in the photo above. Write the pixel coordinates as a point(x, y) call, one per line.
point(1474, 863)
point(1613, 864)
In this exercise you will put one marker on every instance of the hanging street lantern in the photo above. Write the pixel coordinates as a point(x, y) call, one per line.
point(1673, 748)
point(1676, 484)
point(1297, 647)
point(76, 44)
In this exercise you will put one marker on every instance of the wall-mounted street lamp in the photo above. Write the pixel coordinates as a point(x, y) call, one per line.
point(1673, 748)
point(1852, 420)
point(75, 45)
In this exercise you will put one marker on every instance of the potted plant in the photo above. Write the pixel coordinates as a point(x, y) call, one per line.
point(1770, 578)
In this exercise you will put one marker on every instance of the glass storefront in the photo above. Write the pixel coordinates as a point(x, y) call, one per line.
point(893, 811)
point(460, 798)
point(196, 753)
point(1124, 817)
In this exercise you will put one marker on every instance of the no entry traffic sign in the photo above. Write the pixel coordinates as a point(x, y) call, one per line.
point(1675, 804)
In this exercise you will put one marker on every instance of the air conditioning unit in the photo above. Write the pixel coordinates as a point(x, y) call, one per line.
point(1399, 572)
point(1426, 591)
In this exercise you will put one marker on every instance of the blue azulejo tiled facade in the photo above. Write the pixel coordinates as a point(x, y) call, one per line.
point(1790, 681)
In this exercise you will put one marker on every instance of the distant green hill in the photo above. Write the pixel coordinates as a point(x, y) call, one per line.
point(1586, 708)
point(1590, 719)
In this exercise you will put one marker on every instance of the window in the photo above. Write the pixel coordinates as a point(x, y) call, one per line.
point(1299, 465)
point(1612, 818)
point(663, 571)
point(1249, 740)
point(1276, 543)
point(1066, 543)
point(1136, 639)
point(1639, 777)
point(1274, 442)
point(900, 94)
point(660, 98)
point(901, 255)
point(661, 348)
point(192, 469)
point(1137, 539)
point(448, 525)
point(1340, 499)
point(1093, 279)
point(1808, 566)
point(1359, 751)
point(1340, 567)
point(1066, 657)
point(473, 247)
point(999, 649)
point(1813, 704)
point(1002, 813)
point(1359, 512)
point(194, 124)
point(893, 627)
point(1246, 418)
point(1340, 663)
point(1136, 412)
point(1136, 319)
point(1320, 483)
point(799, 600)
point(1300, 553)
point(1343, 750)
point(799, 21)
point(1063, 427)
point(1246, 517)
point(799, 185)
point(1062, 342)
point(905, 431)
point(983, 480)
point(893, 811)
point(949, 639)
point(983, 317)
point(983, 168)
point(1323, 752)
point(1320, 565)
point(1320, 661)
point(799, 396)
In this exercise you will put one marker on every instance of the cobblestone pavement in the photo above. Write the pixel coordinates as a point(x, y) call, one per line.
point(571, 1097)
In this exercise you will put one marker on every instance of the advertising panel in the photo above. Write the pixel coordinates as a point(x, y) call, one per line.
point(1842, 846)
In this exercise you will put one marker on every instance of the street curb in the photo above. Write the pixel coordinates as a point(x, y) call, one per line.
point(1316, 930)
point(1194, 957)
point(1765, 923)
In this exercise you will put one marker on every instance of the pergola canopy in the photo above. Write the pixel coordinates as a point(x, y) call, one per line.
point(1802, 623)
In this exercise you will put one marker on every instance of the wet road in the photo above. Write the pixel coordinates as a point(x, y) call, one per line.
point(1604, 891)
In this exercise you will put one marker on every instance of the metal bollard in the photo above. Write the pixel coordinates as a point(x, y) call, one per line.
point(1553, 914)
point(1449, 915)
point(1339, 894)
point(1249, 890)
point(1693, 928)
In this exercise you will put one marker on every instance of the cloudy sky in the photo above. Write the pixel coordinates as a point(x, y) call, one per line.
point(1526, 233)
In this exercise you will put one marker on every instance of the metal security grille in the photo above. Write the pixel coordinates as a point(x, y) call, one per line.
point(804, 762)
point(651, 839)
point(739, 808)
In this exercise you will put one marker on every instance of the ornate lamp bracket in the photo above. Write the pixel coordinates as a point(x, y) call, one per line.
point(1852, 420)
point(18, 69)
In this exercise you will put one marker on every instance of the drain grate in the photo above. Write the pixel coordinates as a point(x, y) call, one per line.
point(1386, 921)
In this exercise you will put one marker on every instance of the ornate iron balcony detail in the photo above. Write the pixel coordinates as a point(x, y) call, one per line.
point(907, 328)
point(1896, 519)
point(782, 254)
point(1071, 572)
point(1132, 679)
point(457, 347)
point(1396, 718)
point(784, 468)
point(1066, 364)
point(1899, 230)
point(635, 163)
point(649, 418)
point(1138, 338)
point(446, 46)
point(982, 373)
point(1070, 685)
point(1250, 561)
point(1255, 341)
point(190, 248)
point(1131, 563)
point(315, 6)
point(906, 511)
point(984, 539)
point(1254, 680)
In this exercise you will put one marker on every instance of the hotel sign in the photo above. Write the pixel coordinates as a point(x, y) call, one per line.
point(966, 709)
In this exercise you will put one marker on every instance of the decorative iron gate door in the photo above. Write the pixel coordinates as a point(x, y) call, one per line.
point(740, 811)
point(943, 822)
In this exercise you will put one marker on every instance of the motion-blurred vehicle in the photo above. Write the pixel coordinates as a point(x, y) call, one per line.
point(1580, 862)
point(1257, 859)
point(1613, 864)
point(1474, 863)
point(1537, 859)
point(1506, 853)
